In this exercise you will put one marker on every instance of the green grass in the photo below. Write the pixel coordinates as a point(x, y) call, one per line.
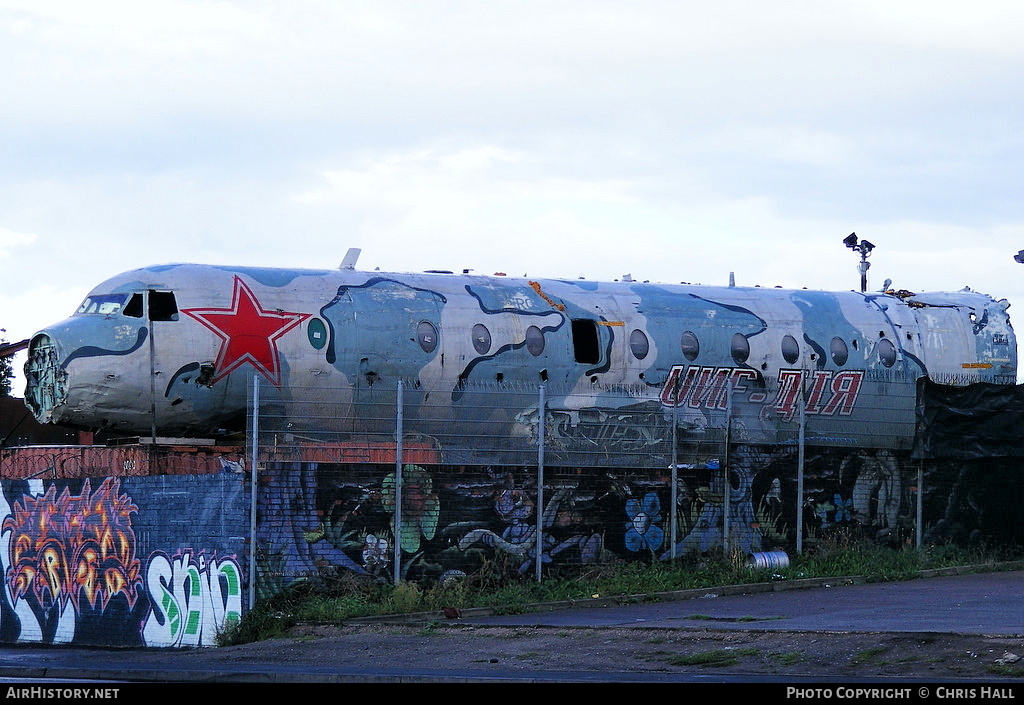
point(868, 655)
point(714, 659)
point(428, 629)
point(334, 599)
point(787, 658)
point(698, 617)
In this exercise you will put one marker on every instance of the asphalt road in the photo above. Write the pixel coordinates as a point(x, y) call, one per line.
point(983, 603)
point(990, 603)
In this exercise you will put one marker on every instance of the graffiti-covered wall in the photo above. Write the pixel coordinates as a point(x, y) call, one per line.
point(318, 519)
point(123, 561)
point(162, 560)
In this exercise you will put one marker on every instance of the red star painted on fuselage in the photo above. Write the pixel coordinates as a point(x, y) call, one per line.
point(248, 333)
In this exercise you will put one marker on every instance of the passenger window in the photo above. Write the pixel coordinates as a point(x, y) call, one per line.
point(481, 339)
point(426, 336)
point(886, 352)
point(534, 340)
point(790, 349)
point(690, 345)
point(638, 344)
point(162, 306)
point(840, 353)
point(740, 348)
point(584, 341)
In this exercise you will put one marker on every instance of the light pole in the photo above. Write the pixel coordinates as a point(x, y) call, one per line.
point(864, 248)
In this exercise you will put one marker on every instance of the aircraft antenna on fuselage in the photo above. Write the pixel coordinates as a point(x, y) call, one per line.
point(350, 258)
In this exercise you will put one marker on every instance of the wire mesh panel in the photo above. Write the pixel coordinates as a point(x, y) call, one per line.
point(594, 425)
point(541, 480)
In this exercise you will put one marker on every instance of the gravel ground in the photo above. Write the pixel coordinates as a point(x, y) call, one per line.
point(450, 645)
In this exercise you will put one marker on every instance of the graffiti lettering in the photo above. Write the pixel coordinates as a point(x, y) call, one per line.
point(623, 431)
point(71, 547)
point(698, 387)
point(193, 599)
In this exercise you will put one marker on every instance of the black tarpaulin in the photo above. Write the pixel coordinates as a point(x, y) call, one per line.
point(980, 420)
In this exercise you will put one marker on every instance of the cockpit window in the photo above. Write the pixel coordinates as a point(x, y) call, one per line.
point(134, 306)
point(102, 304)
point(162, 306)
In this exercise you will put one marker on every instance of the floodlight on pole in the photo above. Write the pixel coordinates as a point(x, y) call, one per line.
point(864, 248)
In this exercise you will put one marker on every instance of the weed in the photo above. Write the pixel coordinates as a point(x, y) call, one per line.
point(263, 622)
point(428, 629)
point(496, 584)
point(714, 659)
point(866, 655)
point(509, 609)
point(704, 617)
point(406, 597)
point(787, 658)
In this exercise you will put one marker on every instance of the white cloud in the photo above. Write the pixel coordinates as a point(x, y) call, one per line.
point(10, 241)
point(115, 61)
point(788, 143)
point(677, 141)
point(458, 180)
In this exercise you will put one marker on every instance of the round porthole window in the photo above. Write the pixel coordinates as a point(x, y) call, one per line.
point(317, 332)
point(426, 336)
point(638, 344)
point(790, 349)
point(481, 339)
point(534, 340)
point(886, 352)
point(690, 345)
point(740, 348)
point(840, 352)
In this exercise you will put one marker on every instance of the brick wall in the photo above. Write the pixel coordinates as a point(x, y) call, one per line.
point(123, 561)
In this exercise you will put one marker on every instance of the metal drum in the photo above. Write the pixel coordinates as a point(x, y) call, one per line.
point(769, 559)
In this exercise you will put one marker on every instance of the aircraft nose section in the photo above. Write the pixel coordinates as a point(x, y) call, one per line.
point(45, 381)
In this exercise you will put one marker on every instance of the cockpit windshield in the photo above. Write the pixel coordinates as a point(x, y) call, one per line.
point(162, 305)
point(103, 304)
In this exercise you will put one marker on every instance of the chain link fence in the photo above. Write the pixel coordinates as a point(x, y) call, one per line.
point(410, 483)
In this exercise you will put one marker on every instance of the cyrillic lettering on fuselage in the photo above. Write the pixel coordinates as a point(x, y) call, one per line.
point(825, 392)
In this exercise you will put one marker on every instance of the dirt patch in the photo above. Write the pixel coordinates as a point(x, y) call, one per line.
point(449, 645)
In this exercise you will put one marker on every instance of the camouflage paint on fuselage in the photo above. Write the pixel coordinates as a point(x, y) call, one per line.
point(172, 350)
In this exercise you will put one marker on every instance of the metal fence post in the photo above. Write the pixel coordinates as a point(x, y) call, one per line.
point(398, 484)
point(919, 529)
point(800, 459)
point(673, 493)
point(726, 494)
point(539, 540)
point(253, 487)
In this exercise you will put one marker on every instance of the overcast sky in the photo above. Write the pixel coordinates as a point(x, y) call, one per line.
point(675, 141)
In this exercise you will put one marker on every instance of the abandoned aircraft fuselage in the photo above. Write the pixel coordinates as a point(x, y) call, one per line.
point(173, 350)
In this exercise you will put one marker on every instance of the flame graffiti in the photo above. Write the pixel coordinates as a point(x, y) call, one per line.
point(71, 545)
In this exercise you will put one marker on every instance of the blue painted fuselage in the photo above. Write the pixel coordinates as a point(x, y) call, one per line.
point(173, 350)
